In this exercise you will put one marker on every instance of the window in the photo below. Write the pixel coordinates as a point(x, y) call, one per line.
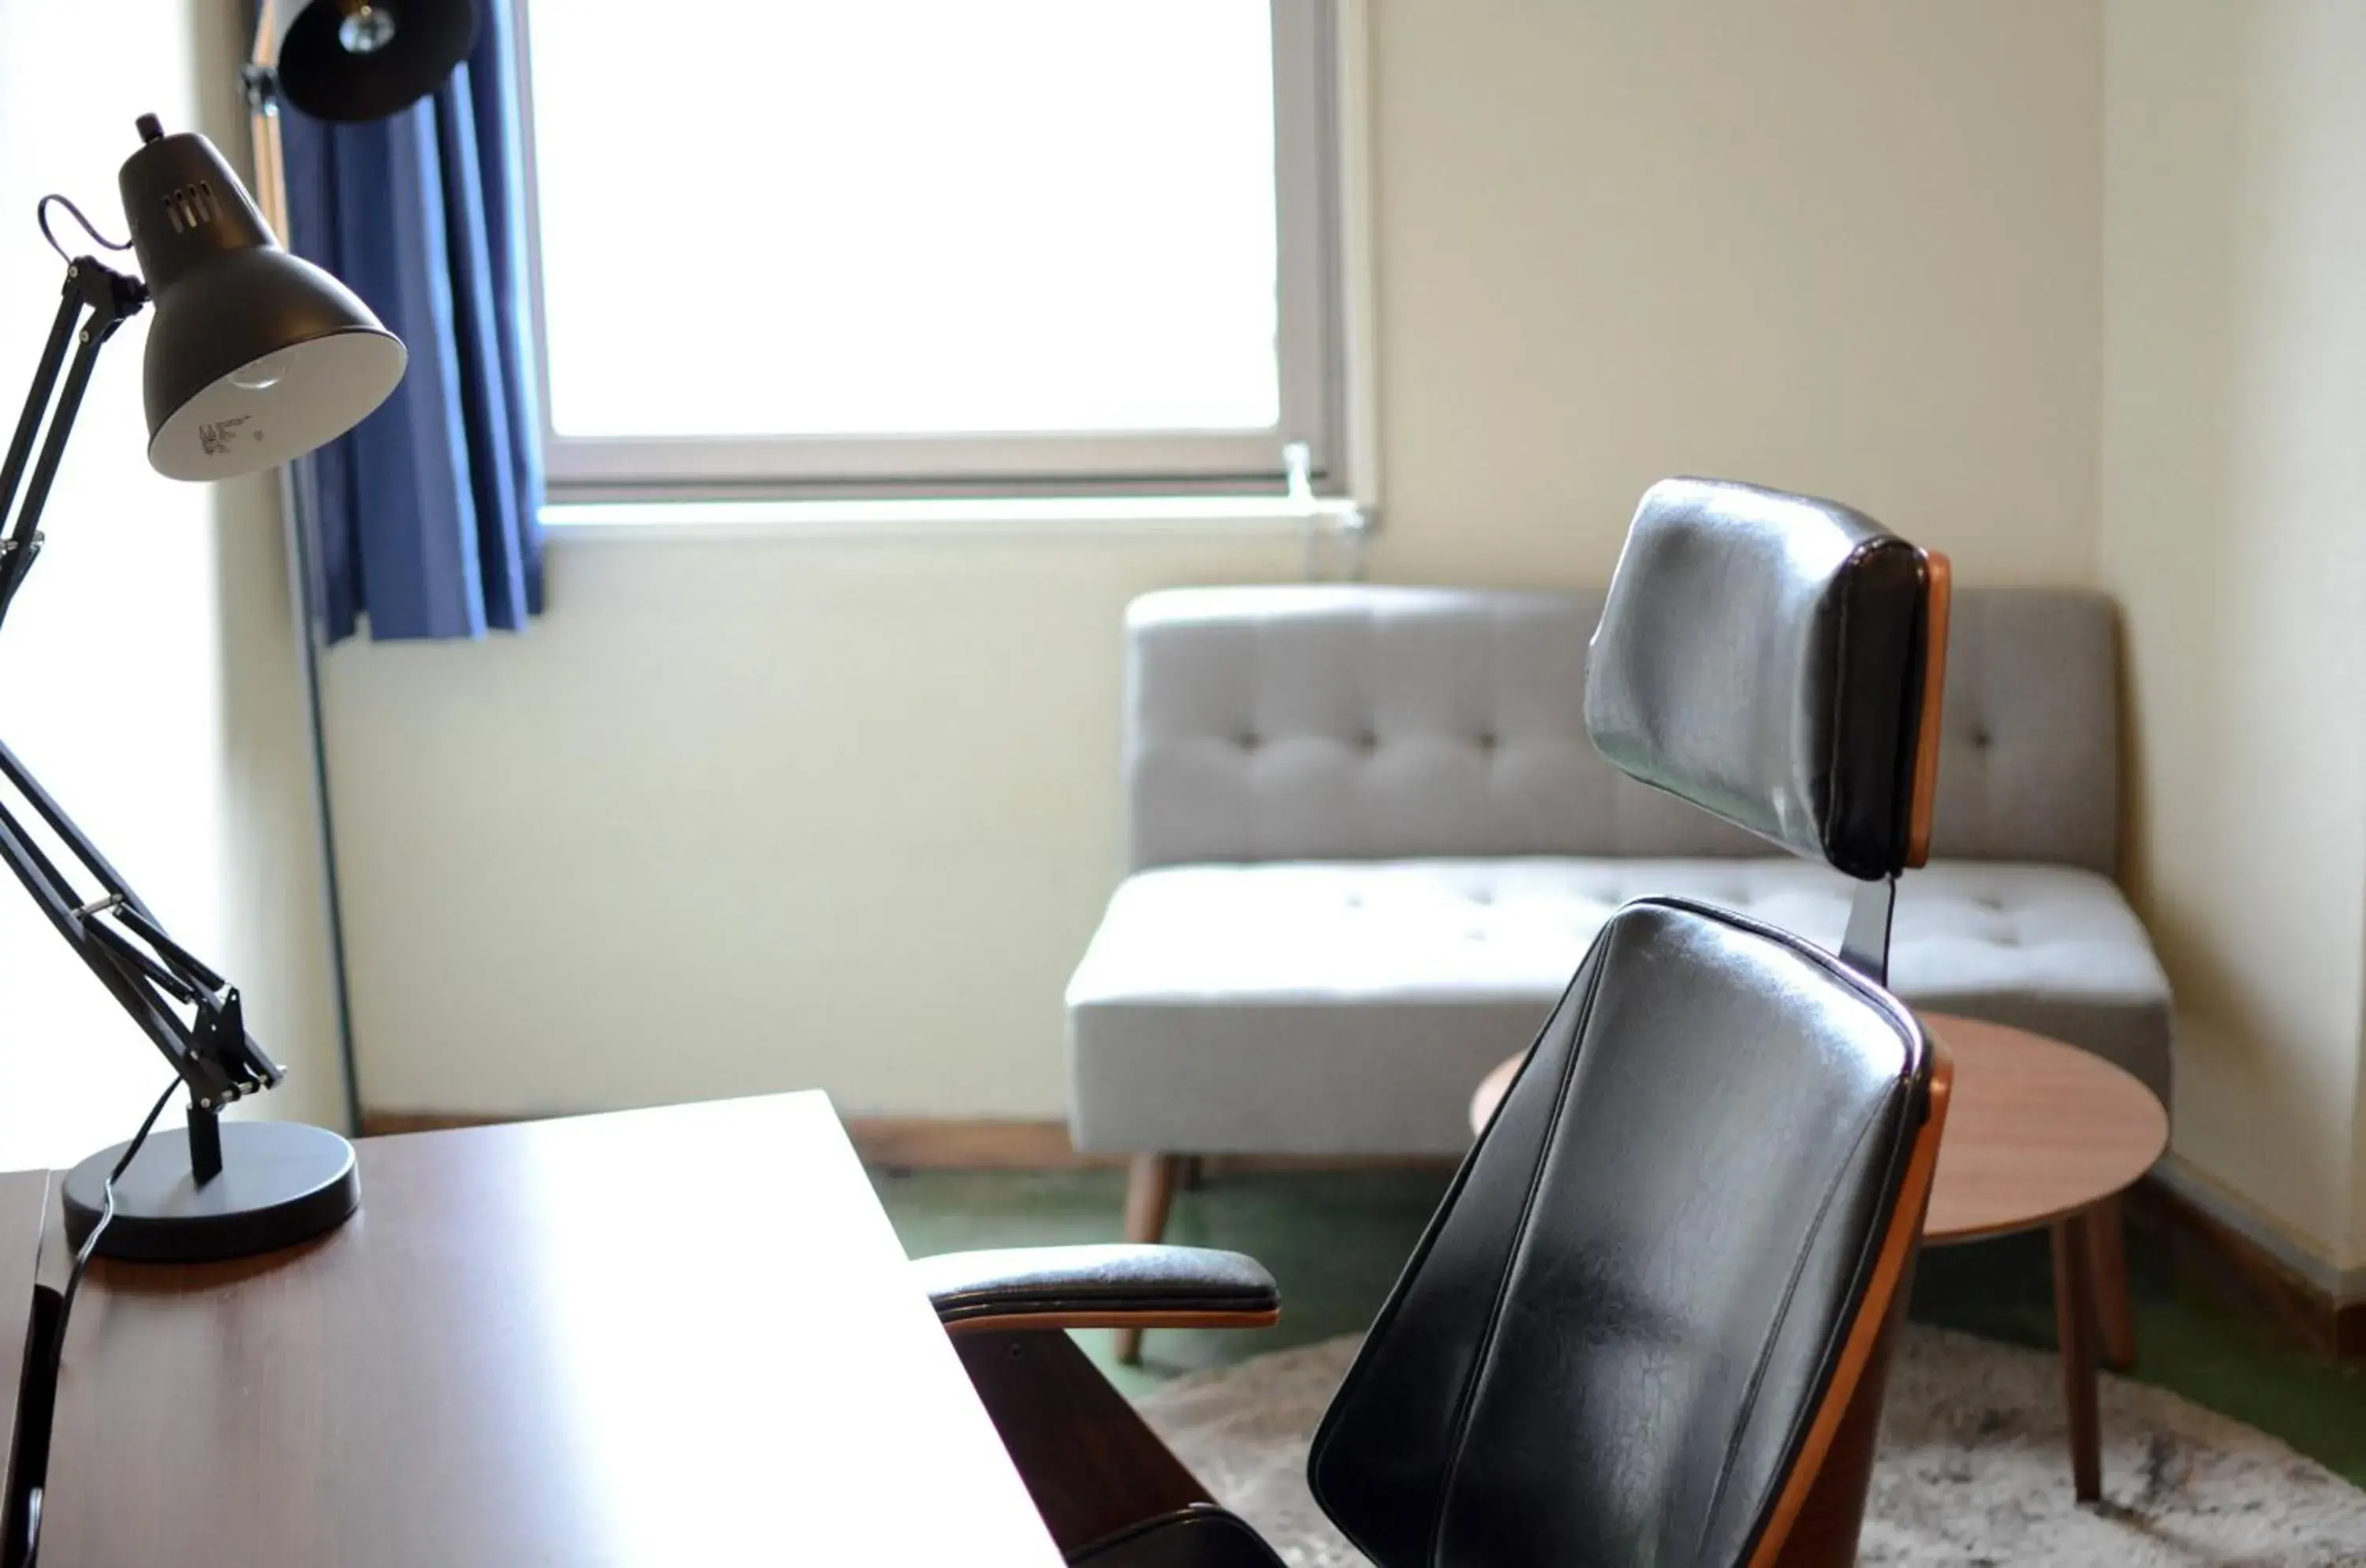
point(935, 245)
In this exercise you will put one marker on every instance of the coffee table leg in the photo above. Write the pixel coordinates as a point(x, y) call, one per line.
point(2115, 1318)
point(2074, 1321)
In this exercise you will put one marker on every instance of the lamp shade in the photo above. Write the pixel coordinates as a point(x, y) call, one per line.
point(255, 356)
point(355, 60)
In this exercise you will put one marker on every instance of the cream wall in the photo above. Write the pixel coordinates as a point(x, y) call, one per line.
point(782, 811)
point(2234, 532)
point(149, 660)
point(1849, 248)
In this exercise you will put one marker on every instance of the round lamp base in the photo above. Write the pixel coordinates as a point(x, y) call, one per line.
point(281, 1184)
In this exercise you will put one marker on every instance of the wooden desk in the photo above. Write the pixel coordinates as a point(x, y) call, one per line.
point(672, 1337)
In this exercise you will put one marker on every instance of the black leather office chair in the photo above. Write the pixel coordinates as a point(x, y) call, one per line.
point(1650, 1323)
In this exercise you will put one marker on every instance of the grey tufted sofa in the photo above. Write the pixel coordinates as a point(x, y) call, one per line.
point(1369, 843)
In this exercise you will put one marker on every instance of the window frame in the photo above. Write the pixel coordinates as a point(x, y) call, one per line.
point(1312, 355)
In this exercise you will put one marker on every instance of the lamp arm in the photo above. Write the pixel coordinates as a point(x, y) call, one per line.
point(40, 879)
point(263, 44)
point(36, 399)
point(219, 1061)
point(145, 970)
point(213, 1054)
point(260, 77)
point(108, 299)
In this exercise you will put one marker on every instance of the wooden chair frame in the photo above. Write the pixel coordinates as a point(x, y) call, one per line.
point(1094, 1466)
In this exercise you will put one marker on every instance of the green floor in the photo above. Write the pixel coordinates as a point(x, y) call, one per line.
point(1335, 1240)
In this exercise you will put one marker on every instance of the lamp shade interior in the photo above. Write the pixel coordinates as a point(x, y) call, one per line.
point(359, 60)
point(278, 406)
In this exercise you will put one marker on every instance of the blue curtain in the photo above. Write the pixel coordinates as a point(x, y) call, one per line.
point(424, 518)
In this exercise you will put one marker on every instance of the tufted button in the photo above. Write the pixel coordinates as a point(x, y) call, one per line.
point(1487, 741)
point(1982, 739)
point(1368, 741)
point(1248, 740)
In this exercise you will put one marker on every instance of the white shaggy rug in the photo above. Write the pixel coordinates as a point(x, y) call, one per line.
point(1974, 1472)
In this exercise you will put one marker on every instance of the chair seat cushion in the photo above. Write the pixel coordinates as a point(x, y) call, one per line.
point(1351, 1007)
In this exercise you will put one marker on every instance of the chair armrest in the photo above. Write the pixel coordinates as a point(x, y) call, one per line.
point(1099, 1287)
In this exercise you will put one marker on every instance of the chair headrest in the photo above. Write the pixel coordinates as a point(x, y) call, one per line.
point(1776, 661)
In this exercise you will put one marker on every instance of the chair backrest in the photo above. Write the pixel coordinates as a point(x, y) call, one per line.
point(1777, 662)
point(1638, 1322)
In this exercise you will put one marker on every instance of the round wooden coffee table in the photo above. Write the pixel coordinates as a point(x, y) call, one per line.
point(2038, 1134)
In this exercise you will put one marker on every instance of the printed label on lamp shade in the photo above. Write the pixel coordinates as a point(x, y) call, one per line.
point(276, 408)
point(219, 439)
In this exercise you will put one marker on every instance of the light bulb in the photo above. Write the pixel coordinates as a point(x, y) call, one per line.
point(260, 375)
point(365, 29)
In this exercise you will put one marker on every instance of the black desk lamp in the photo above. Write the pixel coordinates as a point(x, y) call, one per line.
point(255, 357)
point(358, 60)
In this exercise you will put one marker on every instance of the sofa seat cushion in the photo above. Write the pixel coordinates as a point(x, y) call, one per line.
point(1351, 1007)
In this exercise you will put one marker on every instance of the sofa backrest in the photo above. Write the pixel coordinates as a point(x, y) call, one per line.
point(1351, 722)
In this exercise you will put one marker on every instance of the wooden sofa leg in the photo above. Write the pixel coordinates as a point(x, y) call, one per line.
point(1149, 1190)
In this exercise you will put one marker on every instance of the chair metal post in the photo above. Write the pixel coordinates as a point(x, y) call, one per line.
point(1864, 946)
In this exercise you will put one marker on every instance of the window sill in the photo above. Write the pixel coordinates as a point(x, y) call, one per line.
point(617, 522)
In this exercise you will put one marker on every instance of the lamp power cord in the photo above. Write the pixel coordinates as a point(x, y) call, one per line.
point(41, 216)
point(54, 1352)
point(89, 1247)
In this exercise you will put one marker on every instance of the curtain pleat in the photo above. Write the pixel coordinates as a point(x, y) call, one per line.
point(424, 518)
